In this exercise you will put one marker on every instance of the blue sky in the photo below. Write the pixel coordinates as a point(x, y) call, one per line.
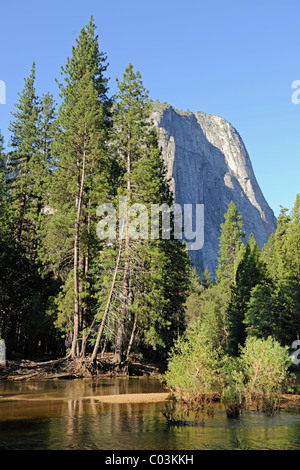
point(235, 59)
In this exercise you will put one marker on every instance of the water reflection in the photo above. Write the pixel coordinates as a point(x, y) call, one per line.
point(54, 415)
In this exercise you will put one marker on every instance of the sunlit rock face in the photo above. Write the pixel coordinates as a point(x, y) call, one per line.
point(207, 163)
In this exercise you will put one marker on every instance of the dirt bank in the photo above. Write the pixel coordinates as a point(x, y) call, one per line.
point(22, 369)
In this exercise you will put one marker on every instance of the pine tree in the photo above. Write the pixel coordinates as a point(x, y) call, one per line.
point(5, 228)
point(282, 256)
point(3, 185)
point(270, 312)
point(131, 141)
point(230, 244)
point(279, 263)
point(24, 290)
point(149, 271)
point(293, 242)
point(80, 179)
point(206, 278)
point(22, 161)
point(47, 131)
point(251, 271)
point(193, 301)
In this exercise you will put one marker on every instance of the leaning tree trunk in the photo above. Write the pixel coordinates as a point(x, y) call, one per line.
point(118, 358)
point(132, 336)
point(103, 321)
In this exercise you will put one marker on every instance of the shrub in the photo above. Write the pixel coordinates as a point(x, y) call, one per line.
point(260, 374)
point(193, 371)
point(265, 365)
point(233, 386)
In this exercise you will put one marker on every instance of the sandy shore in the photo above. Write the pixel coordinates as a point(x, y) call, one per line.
point(122, 398)
point(132, 398)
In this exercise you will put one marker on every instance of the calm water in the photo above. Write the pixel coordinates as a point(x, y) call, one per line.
point(42, 415)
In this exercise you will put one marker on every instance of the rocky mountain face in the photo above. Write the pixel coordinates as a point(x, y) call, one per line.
point(208, 165)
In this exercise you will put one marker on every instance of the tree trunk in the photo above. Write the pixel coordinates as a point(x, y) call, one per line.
point(121, 321)
point(21, 218)
point(101, 328)
point(132, 337)
point(118, 358)
point(85, 271)
point(104, 347)
point(74, 349)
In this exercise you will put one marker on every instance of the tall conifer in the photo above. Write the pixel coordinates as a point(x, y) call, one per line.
point(251, 271)
point(22, 163)
point(144, 288)
point(79, 182)
point(230, 243)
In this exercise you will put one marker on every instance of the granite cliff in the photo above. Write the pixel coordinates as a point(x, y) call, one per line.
point(208, 164)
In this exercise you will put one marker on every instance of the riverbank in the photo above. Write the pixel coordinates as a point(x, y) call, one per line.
point(67, 368)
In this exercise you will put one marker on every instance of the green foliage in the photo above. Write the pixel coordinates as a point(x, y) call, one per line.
point(251, 271)
point(79, 181)
point(253, 317)
point(207, 308)
point(193, 371)
point(25, 287)
point(3, 191)
point(233, 395)
point(196, 372)
point(259, 375)
point(265, 365)
point(230, 243)
point(152, 277)
point(206, 279)
point(24, 166)
point(271, 312)
point(281, 254)
point(194, 300)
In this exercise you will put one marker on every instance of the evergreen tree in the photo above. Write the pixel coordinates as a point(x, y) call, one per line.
point(80, 179)
point(251, 271)
point(268, 253)
point(194, 299)
point(230, 244)
point(3, 186)
point(23, 290)
point(278, 263)
point(206, 306)
point(30, 162)
point(150, 281)
point(282, 256)
point(47, 131)
point(206, 278)
point(270, 312)
point(293, 243)
point(22, 163)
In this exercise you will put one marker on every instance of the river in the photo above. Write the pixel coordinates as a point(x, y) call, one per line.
point(63, 415)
